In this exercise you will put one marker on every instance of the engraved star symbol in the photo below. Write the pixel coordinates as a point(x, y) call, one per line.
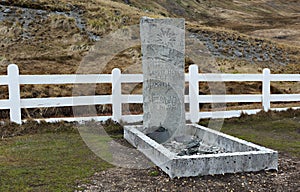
point(166, 37)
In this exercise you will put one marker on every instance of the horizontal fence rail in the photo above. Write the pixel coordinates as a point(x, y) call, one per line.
point(13, 80)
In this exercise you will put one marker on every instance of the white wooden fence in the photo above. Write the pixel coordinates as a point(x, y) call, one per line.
point(13, 80)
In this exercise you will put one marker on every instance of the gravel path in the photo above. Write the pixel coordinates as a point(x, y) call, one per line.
point(120, 179)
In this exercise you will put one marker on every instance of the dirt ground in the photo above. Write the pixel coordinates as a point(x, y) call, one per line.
point(120, 179)
point(153, 179)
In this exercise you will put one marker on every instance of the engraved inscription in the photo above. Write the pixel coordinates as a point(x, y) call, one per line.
point(169, 101)
point(163, 68)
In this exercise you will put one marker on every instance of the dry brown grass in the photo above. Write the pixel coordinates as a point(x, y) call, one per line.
point(58, 46)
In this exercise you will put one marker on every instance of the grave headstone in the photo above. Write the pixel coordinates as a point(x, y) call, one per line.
point(163, 48)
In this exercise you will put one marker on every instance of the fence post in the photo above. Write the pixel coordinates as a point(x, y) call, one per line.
point(14, 93)
point(116, 95)
point(266, 90)
point(193, 93)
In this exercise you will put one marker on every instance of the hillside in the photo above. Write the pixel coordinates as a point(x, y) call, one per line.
point(42, 35)
point(242, 36)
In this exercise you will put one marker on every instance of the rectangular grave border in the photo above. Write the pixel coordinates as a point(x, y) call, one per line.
point(248, 157)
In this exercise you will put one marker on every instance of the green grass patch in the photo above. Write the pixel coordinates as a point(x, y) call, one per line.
point(276, 130)
point(46, 162)
point(54, 157)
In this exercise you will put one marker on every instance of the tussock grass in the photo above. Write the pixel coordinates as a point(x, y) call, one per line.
point(53, 5)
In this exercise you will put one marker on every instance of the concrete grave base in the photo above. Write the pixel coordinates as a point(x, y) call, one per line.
point(241, 156)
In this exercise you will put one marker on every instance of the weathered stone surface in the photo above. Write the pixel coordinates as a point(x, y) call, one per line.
point(160, 135)
point(187, 150)
point(163, 44)
point(241, 156)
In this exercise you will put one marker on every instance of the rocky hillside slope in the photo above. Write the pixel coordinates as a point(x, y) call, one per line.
point(42, 36)
point(242, 36)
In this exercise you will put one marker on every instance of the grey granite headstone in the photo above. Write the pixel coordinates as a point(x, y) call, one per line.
point(163, 46)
